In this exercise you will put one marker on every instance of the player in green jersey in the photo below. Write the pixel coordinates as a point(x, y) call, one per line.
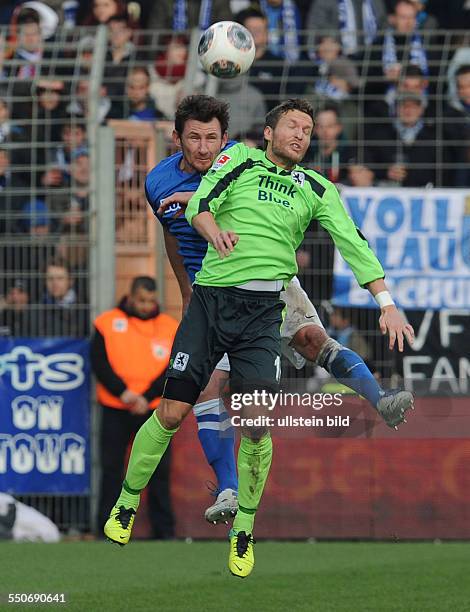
point(253, 208)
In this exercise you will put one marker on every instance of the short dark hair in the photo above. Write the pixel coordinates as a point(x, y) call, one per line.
point(413, 70)
point(58, 262)
point(28, 15)
point(272, 118)
point(119, 18)
point(329, 107)
point(463, 69)
point(252, 12)
point(201, 108)
point(143, 282)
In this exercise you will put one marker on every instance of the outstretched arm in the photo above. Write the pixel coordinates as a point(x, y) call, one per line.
point(391, 321)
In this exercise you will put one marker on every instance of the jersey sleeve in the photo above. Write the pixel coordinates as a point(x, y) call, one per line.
point(151, 193)
point(352, 245)
point(217, 183)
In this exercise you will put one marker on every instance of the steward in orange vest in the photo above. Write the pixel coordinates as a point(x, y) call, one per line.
point(130, 351)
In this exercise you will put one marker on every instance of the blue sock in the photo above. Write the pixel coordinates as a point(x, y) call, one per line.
point(348, 367)
point(217, 441)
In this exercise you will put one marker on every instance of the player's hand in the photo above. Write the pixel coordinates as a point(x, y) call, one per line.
point(391, 321)
point(128, 397)
point(179, 197)
point(224, 242)
point(140, 406)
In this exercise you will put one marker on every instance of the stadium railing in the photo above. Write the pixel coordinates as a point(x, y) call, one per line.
point(73, 57)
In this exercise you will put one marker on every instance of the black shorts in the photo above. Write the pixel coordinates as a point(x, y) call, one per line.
point(244, 324)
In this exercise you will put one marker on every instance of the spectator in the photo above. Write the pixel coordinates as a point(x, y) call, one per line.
point(357, 21)
point(35, 218)
point(78, 106)
point(284, 25)
point(342, 329)
point(50, 114)
point(18, 318)
point(3, 74)
point(139, 105)
point(69, 210)
point(412, 80)
point(168, 76)
point(328, 153)
point(424, 20)
point(25, 64)
point(61, 314)
point(457, 128)
point(130, 351)
point(404, 150)
point(337, 87)
point(101, 11)
point(9, 131)
point(11, 197)
point(121, 53)
point(183, 15)
point(451, 14)
point(266, 73)
point(73, 138)
point(304, 74)
point(247, 105)
point(401, 45)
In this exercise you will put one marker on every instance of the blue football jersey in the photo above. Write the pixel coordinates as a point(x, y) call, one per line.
point(164, 180)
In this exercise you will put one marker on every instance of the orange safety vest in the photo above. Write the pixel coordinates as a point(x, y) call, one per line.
point(138, 351)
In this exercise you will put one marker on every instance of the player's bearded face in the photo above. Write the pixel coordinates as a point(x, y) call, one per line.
point(289, 140)
point(201, 143)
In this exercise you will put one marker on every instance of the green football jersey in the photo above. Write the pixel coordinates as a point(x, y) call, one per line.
point(270, 208)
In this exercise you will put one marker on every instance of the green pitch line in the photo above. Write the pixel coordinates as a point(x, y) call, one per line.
point(292, 577)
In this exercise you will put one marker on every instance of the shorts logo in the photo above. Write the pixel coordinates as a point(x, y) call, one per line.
point(181, 361)
point(120, 325)
point(223, 159)
point(298, 177)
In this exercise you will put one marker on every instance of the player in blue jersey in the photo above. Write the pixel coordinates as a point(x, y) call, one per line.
point(200, 132)
point(200, 128)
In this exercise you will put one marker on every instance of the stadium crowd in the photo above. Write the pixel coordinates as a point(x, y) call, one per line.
point(390, 80)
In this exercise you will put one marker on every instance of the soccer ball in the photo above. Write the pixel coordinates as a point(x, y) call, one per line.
point(226, 49)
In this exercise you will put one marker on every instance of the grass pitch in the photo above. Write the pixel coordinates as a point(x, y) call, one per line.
point(175, 576)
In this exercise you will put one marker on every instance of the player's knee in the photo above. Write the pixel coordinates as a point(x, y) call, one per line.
point(170, 414)
point(309, 340)
point(255, 433)
point(215, 387)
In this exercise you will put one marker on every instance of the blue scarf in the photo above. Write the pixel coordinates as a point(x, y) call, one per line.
point(324, 88)
point(286, 43)
point(408, 134)
point(417, 52)
point(348, 26)
point(180, 15)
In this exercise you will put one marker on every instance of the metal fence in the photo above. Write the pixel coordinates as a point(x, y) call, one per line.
point(56, 237)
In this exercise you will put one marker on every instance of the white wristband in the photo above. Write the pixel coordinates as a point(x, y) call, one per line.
point(384, 299)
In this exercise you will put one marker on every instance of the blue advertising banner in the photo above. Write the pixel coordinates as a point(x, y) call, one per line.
point(44, 415)
point(421, 237)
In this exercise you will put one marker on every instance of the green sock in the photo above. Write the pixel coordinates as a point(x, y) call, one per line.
point(254, 461)
point(150, 442)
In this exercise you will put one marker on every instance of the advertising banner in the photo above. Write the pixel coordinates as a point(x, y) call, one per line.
point(44, 415)
point(422, 239)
